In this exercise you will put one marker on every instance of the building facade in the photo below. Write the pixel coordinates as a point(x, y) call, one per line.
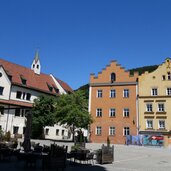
point(155, 101)
point(113, 104)
point(19, 86)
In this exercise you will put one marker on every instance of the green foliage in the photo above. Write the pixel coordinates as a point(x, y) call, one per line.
point(7, 136)
point(1, 135)
point(43, 115)
point(72, 110)
point(141, 70)
point(85, 90)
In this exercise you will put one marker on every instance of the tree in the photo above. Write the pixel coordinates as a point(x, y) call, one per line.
point(43, 115)
point(72, 110)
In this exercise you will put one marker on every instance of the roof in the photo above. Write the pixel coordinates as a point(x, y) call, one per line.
point(64, 85)
point(39, 82)
point(16, 103)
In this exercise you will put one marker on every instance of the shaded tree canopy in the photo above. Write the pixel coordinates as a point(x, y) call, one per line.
point(72, 110)
point(43, 115)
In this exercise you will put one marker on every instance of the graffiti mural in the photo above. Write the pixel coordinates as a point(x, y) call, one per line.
point(156, 140)
point(153, 140)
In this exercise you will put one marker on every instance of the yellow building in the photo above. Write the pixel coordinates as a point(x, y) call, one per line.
point(155, 101)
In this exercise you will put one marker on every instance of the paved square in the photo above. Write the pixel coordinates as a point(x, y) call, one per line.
point(126, 158)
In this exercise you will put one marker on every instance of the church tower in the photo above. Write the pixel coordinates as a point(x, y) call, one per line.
point(36, 64)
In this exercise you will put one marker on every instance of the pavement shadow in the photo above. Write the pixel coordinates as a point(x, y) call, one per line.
point(16, 165)
point(84, 167)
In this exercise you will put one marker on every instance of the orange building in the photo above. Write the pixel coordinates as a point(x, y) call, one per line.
point(112, 104)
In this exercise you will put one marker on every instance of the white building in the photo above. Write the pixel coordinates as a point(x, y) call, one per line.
point(19, 86)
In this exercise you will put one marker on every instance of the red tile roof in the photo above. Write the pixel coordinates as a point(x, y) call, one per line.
point(16, 103)
point(64, 85)
point(34, 81)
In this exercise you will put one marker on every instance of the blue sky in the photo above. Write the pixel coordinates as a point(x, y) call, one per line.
point(78, 37)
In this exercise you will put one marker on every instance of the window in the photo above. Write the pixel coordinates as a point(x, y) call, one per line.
point(112, 93)
point(24, 130)
point(154, 92)
point(17, 112)
point(1, 90)
point(15, 129)
point(18, 95)
point(24, 94)
point(112, 130)
point(22, 112)
point(161, 107)
point(149, 107)
point(168, 76)
point(28, 96)
point(99, 112)
point(161, 124)
point(57, 131)
point(113, 77)
point(10, 77)
point(126, 131)
point(56, 89)
point(50, 87)
point(99, 93)
point(126, 112)
point(47, 131)
point(0, 74)
point(98, 130)
point(112, 112)
point(37, 66)
point(163, 77)
point(26, 111)
point(126, 93)
point(23, 80)
point(168, 91)
point(1, 110)
point(149, 124)
point(63, 132)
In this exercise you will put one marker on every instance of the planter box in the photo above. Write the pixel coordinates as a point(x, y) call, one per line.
point(105, 155)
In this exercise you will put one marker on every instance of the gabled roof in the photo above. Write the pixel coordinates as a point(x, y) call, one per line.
point(64, 85)
point(34, 81)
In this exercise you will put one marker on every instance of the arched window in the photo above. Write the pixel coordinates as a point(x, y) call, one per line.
point(113, 77)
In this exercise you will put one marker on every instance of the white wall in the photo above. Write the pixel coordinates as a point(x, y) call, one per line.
point(9, 120)
point(4, 82)
point(52, 133)
point(34, 94)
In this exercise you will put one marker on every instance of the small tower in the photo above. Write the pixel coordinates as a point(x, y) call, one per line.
point(36, 64)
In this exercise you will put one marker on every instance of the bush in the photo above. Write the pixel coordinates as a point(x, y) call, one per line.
point(7, 136)
point(1, 135)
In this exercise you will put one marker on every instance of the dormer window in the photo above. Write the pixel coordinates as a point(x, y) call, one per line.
point(56, 90)
point(9, 75)
point(50, 87)
point(113, 77)
point(23, 80)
